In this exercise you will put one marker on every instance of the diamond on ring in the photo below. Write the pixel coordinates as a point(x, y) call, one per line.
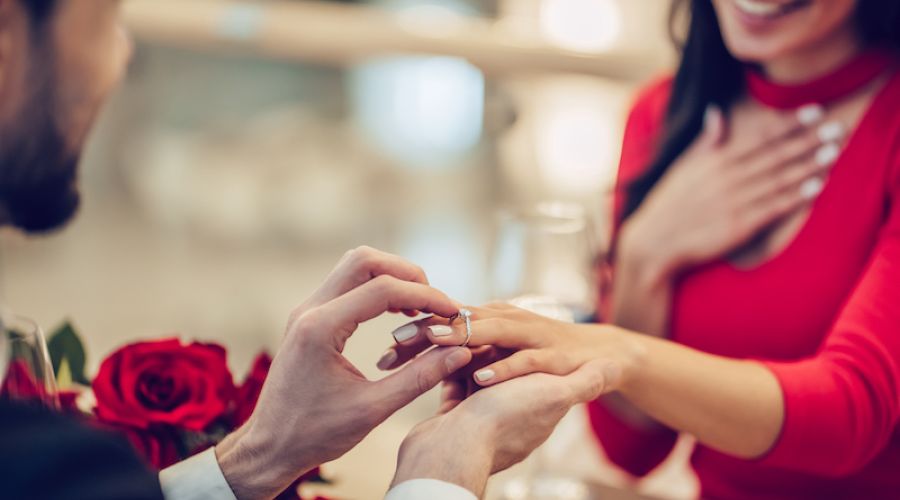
point(466, 315)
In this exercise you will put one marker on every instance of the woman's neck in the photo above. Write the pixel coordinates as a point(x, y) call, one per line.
point(808, 64)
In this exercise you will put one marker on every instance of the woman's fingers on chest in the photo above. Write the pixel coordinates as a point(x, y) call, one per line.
point(810, 149)
point(756, 130)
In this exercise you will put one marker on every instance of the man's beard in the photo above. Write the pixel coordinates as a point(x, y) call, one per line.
point(38, 188)
point(46, 196)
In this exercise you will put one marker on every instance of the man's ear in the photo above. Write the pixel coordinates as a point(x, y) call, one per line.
point(6, 21)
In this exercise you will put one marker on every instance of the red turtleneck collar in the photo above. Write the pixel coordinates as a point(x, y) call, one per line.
point(850, 77)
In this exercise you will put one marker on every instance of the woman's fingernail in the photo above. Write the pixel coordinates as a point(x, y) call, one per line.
point(484, 375)
point(457, 359)
point(710, 115)
point(440, 330)
point(827, 154)
point(811, 188)
point(810, 114)
point(405, 332)
point(387, 359)
point(831, 132)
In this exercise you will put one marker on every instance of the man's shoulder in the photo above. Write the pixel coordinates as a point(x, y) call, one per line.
point(47, 455)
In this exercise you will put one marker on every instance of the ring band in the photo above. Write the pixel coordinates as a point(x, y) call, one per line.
point(467, 316)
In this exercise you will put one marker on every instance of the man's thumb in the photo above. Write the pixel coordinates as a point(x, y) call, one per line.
point(594, 379)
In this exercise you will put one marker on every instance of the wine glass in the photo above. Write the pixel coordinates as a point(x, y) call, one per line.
point(543, 260)
point(26, 373)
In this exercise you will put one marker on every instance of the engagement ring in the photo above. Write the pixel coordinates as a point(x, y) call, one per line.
point(466, 315)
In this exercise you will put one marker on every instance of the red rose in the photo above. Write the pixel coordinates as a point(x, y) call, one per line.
point(248, 392)
point(164, 382)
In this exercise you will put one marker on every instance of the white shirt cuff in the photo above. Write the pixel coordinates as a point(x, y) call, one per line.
point(429, 489)
point(197, 478)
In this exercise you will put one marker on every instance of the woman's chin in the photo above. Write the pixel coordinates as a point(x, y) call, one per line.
point(758, 51)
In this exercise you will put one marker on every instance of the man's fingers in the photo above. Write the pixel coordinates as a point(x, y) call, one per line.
point(453, 392)
point(342, 315)
point(420, 375)
point(593, 379)
point(400, 354)
point(360, 265)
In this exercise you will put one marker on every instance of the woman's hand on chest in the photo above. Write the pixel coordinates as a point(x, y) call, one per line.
point(741, 175)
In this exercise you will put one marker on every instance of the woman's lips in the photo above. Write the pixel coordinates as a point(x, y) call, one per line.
point(761, 13)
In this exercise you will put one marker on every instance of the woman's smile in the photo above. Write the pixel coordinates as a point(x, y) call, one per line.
point(780, 31)
point(760, 13)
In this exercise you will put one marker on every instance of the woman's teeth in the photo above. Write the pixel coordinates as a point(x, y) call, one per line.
point(758, 8)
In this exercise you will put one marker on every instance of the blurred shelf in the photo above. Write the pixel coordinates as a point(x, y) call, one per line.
point(341, 35)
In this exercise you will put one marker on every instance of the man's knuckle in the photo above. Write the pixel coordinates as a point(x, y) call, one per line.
point(363, 256)
point(596, 387)
point(296, 313)
point(383, 283)
point(305, 326)
point(426, 379)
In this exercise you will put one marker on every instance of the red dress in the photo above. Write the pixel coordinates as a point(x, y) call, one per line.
point(823, 314)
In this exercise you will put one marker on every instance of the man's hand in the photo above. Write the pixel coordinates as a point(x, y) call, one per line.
point(496, 427)
point(315, 405)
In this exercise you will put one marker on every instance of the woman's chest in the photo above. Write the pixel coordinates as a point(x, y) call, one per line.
point(782, 307)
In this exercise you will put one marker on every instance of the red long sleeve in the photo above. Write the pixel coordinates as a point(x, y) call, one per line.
point(842, 405)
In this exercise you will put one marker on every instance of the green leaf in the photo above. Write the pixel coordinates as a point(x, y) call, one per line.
point(64, 345)
point(64, 374)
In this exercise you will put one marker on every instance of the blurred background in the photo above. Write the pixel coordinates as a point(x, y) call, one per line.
point(254, 142)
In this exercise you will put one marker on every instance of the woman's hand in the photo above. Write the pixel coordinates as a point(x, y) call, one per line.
point(724, 191)
point(730, 185)
point(521, 343)
point(733, 406)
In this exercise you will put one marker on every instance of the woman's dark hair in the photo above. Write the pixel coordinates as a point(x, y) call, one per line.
point(39, 11)
point(709, 74)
